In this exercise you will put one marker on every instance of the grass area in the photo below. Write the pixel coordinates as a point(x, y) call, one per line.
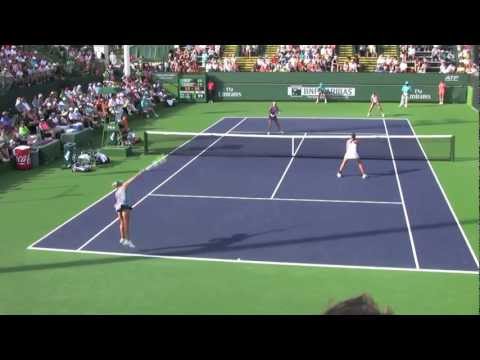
point(37, 282)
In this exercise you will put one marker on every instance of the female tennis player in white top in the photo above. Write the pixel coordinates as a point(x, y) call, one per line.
point(375, 101)
point(352, 154)
point(123, 208)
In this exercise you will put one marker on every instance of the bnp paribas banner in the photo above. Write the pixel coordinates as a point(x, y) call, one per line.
point(308, 92)
point(299, 91)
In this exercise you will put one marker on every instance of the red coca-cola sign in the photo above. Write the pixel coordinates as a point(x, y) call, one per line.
point(23, 158)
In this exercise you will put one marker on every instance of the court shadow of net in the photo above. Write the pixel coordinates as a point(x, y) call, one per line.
point(212, 245)
point(235, 242)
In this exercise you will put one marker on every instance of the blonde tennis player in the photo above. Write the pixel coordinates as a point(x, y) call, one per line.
point(123, 208)
point(352, 154)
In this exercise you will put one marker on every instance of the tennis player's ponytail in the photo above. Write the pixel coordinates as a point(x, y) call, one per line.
point(354, 136)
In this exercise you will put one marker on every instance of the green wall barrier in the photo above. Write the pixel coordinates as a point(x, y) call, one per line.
point(50, 152)
point(339, 86)
point(84, 138)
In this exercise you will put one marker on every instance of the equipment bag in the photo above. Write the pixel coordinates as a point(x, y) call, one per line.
point(101, 158)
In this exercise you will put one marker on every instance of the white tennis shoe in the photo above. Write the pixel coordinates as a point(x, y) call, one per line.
point(364, 176)
point(129, 244)
point(339, 175)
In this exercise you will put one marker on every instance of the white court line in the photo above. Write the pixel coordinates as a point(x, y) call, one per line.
point(473, 108)
point(276, 199)
point(332, 266)
point(288, 166)
point(327, 117)
point(111, 192)
point(308, 133)
point(412, 243)
point(160, 185)
point(446, 198)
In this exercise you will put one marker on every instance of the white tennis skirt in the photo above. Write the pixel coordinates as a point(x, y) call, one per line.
point(351, 156)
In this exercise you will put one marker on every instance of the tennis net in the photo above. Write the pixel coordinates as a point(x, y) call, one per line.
point(403, 147)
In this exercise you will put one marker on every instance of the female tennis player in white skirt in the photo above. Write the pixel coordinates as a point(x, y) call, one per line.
point(352, 154)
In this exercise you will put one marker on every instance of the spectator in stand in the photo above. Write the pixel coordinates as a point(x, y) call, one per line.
point(372, 50)
point(423, 67)
point(395, 68)
point(334, 66)
point(443, 68)
point(352, 66)
point(6, 121)
point(417, 64)
point(435, 54)
point(362, 50)
point(403, 52)
point(403, 66)
point(380, 63)
point(23, 132)
point(411, 52)
point(4, 145)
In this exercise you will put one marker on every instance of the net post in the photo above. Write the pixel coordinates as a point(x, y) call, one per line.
point(145, 142)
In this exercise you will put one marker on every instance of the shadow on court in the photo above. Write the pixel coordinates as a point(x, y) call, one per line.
point(213, 245)
point(209, 247)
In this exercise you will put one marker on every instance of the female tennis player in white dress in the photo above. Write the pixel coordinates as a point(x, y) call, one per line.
point(352, 154)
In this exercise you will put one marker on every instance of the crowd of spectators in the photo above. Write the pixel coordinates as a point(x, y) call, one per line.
point(392, 64)
point(437, 58)
point(190, 58)
point(85, 59)
point(352, 64)
point(300, 58)
point(25, 68)
point(48, 116)
point(466, 63)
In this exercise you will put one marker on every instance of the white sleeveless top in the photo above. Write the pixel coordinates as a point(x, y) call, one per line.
point(351, 152)
point(120, 197)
